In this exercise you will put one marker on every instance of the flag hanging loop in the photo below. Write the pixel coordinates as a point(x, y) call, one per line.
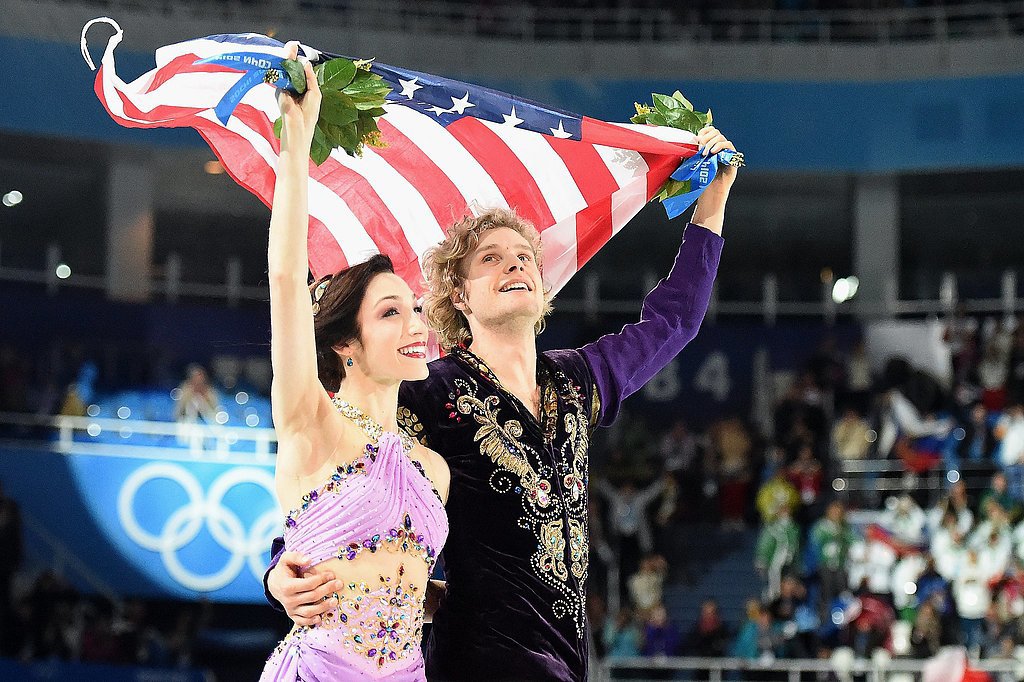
point(85, 29)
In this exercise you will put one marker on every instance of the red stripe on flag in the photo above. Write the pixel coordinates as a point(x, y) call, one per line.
point(442, 196)
point(325, 256)
point(586, 166)
point(184, 64)
point(162, 116)
point(357, 193)
point(610, 135)
point(659, 168)
point(514, 181)
point(251, 171)
point(593, 229)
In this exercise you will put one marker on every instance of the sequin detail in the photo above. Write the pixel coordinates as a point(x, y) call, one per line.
point(384, 624)
point(402, 539)
point(342, 473)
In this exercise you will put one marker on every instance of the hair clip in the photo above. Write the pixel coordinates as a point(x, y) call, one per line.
point(318, 293)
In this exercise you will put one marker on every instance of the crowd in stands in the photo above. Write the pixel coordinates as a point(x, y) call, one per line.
point(43, 617)
point(907, 571)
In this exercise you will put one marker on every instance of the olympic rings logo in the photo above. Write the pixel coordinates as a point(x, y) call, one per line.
point(183, 526)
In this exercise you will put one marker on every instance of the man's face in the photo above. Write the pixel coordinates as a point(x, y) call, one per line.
point(503, 285)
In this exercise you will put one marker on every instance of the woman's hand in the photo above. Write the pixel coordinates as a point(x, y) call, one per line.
point(299, 114)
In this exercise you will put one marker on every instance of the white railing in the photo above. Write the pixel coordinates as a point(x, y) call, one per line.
point(171, 287)
point(541, 21)
point(196, 441)
point(717, 668)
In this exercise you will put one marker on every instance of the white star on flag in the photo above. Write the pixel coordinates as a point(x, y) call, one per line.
point(437, 111)
point(459, 106)
point(409, 88)
point(560, 131)
point(511, 119)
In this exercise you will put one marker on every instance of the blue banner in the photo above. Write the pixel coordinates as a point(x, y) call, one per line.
point(142, 526)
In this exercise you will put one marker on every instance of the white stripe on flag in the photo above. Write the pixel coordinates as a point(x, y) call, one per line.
point(556, 183)
point(625, 165)
point(559, 253)
point(627, 202)
point(401, 197)
point(454, 160)
point(663, 133)
point(324, 204)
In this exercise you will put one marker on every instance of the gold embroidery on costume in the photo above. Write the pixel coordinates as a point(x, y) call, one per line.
point(557, 518)
point(410, 423)
point(579, 547)
point(551, 555)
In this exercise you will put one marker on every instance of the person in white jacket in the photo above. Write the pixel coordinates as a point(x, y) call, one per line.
point(973, 596)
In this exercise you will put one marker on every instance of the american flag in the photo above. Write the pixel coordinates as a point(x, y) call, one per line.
point(450, 147)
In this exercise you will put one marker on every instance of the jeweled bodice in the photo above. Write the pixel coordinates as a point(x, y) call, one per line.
point(381, 501)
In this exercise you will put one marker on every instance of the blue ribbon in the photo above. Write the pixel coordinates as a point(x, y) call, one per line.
point(257, 66)
point(700, 171)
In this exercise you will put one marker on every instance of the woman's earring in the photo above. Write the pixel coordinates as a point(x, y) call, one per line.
point(348, 362)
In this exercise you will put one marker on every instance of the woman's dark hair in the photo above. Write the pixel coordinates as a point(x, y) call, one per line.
point(336, 320)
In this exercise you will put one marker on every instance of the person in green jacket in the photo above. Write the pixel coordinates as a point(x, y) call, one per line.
point(831, 538)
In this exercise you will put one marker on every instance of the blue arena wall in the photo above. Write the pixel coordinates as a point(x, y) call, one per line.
point(941, 123)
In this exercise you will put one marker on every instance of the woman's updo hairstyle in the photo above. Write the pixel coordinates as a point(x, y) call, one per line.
point(336, 302)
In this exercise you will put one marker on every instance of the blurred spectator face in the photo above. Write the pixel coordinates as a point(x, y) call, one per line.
point(999, 483)
point(197, 377)
point(835, 512)
point(959, 491)
point(978, 414)
point(658, 616)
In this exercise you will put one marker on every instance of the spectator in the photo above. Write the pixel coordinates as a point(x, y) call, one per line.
point(805, 474)
point(851, 437)
point(955, 502)
point(947, 546)
point(778, 546)
point(1009, 432)
point(732, 443)
point(645, 586)
point(905, 521)
point(926, 637)
point(678, 447)
point(973, 596)
point(661, 638)
point(756, 639)
point(777, 494)
point(621, 635)
point(960, 336)
point(794, 619)
point(198, 399)
point(627, 507)
point(709, 637)
point(994, 371)
point(979, 442)
point(831, 539)
point(998, 495)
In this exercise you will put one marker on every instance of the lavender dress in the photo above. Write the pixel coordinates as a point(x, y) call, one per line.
point(381, 502)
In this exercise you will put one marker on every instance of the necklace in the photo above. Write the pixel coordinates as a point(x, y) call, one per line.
point(367, 424)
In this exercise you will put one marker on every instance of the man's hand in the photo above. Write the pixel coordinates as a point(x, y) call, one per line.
point(437, 590)
point(710, 210)
point(305, 598)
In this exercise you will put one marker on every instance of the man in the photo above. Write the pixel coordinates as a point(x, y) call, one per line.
point(515, 428)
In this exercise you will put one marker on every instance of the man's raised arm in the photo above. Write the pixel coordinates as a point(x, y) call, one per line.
point(672, 313)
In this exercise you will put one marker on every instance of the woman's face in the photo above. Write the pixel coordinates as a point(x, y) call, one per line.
point(393, 343)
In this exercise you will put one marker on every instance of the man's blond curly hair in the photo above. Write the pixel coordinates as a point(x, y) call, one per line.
point(444, 267)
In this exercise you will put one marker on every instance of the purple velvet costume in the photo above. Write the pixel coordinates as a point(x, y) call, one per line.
point(381, 502)
point(516, 560)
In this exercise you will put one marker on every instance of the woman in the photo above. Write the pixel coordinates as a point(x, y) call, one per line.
point(366, 500)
